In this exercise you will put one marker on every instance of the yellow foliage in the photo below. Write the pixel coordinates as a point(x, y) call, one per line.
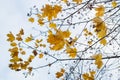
point(77, 1)
point(23, 52)
point(14, 66)
point(31, 19)
point(52, 25)
point(21, 32)
point(50, 11)
point(58, 40)
point(38, 41)
point(15, 59)
point(90, 42)
point(19, 35)
point(98, 60)
point(30, 69)
point(41, 55)
point(100, 29)
point(65, 1)
point(14, 51)
point(72, 52)
point(72, 42)
point(28, 39)
point(89, 76)
point(13, 44)
point(114, 4)
point(60, 74)
point(86, 32)
point(100, 11)
point(40, 22)
point(31, 57)
point(11, 37)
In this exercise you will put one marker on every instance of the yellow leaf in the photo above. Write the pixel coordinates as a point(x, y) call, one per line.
point(23, 52)
point(100, 11)
point(41, 55)
point(90, 42)
point(28, 39)
point(52, 25)
point(59, 74)
point(13, 44)
point(31, 57)
point(72, 52)
point(114, 4)
point(31, 19)
point(57, 41)
point(66, 34)
point(15, 59)
point(14, 51)
point(30, 69)
point(103, 41)
point(98, 60)
point(89, 76)
point(65, 1)
point(100, 29)
point(40, 21)
point(62, 70)
point(21, 32)
point(11, 37)
point(77, 1)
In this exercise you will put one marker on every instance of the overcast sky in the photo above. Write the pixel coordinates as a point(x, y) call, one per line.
point(13, 16)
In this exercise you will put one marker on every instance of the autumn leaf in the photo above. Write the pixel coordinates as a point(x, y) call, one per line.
point(114, 4)
point(13, 44)
point(52, 25)
point(98, 60)
point(11, 37)
point(100, 10)
point(21, 32)
point(31, 19)
point(89, 76)
point(28, 39)
point(40, 22)
point(100, 29)
point(19, 35)
point(57, 41)
point(41, 55)
point(60, 74)
point(23, 52)
point(77, 1)
point(65, 1)
point(50, 11)
point(72, 52)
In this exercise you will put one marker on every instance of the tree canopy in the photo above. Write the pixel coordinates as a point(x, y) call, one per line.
point(78, 37)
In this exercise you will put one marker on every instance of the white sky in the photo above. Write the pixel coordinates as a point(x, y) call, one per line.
point(13, 16)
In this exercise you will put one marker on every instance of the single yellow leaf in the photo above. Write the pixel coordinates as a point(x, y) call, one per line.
point(13, 44)
point(72, 52)
point(31, 19)
point(28, 39)
point(114, 4)
point(40, 22)
point(98, 60)
point(89, 76)
point(41, 55)
point(77, 1)
point(52, 25)
point(11, 37)
point(100, 10)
